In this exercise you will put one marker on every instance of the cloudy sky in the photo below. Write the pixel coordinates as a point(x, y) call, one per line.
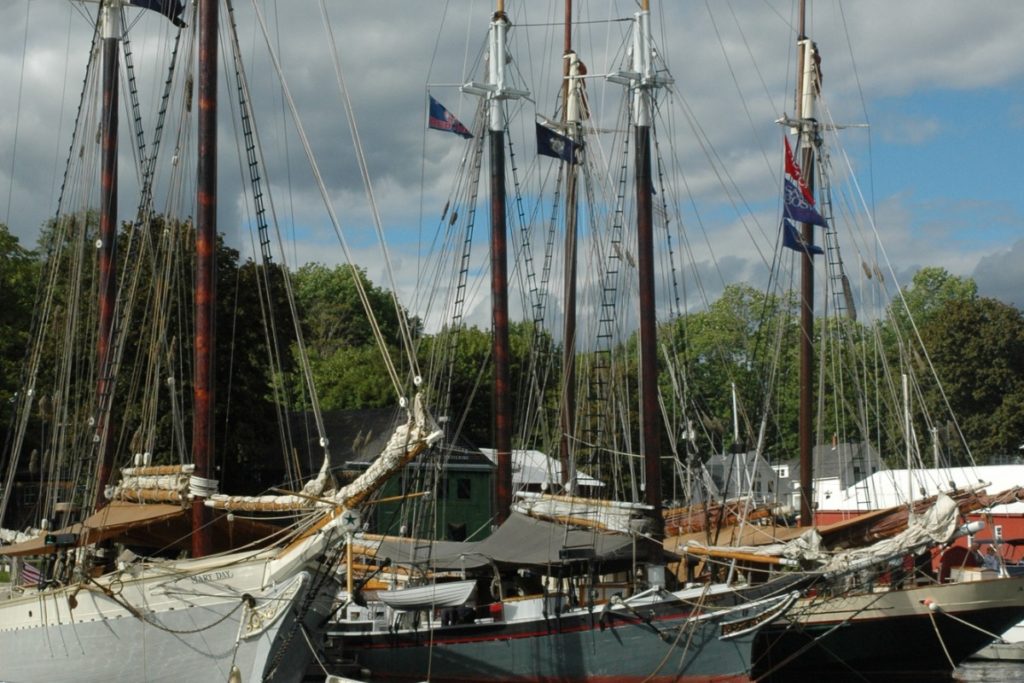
point(940, 83)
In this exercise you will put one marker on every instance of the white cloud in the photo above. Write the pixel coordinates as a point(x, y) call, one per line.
point(725, 99)
point(999, 275)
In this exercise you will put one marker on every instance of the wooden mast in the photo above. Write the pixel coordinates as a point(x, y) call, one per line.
point(107, 244)
point(806, 84)
point(206, 279)
point(499, 280)
point(496, 91)
point(650, 415)
point(568, 402)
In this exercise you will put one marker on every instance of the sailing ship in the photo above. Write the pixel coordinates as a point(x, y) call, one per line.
point(538, 608)
point(890, 602)
point(250, 599)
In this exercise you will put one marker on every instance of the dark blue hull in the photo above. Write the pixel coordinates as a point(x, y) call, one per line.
point(659, 642)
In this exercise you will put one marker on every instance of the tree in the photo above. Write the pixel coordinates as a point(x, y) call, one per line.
point(333, 314)
point(348, 368)
point(931, 288)
point(460, 373)
point(19, 275)
point(737, 341)
point(977, 347)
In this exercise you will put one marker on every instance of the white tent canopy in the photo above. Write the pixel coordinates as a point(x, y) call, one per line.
point(536, 469)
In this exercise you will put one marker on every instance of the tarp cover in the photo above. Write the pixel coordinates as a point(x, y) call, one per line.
point(113, 520)
point(520, 541)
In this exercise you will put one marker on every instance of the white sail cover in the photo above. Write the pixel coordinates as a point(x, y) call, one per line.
point(937, 525)
point(408, 440)
point(588, 512)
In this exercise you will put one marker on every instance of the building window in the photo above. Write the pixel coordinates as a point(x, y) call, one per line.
point(463, 488)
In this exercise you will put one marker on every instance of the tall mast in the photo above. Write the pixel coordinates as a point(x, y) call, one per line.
point(107, 244)
point(571, 110)
point(206, 274)
point(642, 80)
point(496, 91)
point(805, 100)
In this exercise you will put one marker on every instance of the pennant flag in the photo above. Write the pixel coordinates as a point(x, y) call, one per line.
point(791, 239)
point(552, 144)
point(798, 200)
point(442, 119)
point(171, 9)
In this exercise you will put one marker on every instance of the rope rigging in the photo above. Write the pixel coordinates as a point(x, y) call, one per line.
point(396, 382)
point(254, 158)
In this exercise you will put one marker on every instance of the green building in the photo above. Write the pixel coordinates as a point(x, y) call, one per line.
point(461, 475)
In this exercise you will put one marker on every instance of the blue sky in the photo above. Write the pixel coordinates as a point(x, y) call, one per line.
point(941, 80)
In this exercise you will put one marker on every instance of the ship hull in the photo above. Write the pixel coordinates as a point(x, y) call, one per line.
point(165, 625)
point(656, 642)
point(903, 634)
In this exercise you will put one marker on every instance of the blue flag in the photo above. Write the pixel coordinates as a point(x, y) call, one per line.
point(171, 9)
point(442, 119)
point(798, 200)
point(552, 144)
point(791, 239)
point(799, 209)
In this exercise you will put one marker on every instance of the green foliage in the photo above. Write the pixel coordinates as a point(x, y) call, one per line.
point(333, 315)
point(977, 346)
point(348, 368)
point(932, 288)
point(461, 378)
point(252, 447)
point(732, 343)
point(353, 377)
point(19, 275)
point(459, 375)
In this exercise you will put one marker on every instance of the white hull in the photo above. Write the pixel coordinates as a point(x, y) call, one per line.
point(953, 598)
point(922, 632)
point(175, 621)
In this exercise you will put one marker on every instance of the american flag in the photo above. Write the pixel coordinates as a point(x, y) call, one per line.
point(30, 575)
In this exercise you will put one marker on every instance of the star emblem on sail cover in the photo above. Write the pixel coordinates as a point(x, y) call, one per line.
point(350, 521)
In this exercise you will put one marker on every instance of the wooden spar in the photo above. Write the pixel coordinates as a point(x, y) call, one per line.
point(495, 90)
point(107, 245)
point(348, 565)
point(206, 264)
point(568, 403)
point(641, 79)
point(499, 314)
point(725, 554)
point(499, 270)
point(650, 414)
point(806, 301)
point(648, 328)
point(326, 501)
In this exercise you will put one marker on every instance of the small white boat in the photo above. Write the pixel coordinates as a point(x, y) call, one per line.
point(450, 594)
